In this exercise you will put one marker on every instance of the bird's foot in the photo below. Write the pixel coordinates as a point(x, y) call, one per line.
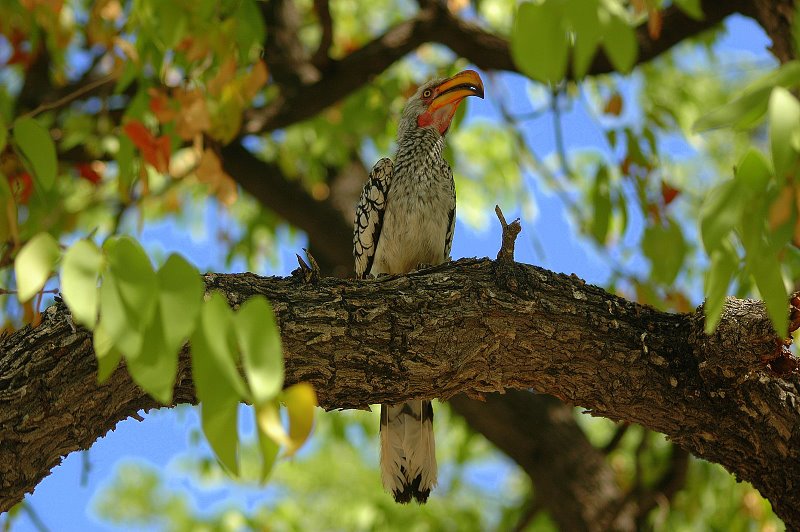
point(423, 266)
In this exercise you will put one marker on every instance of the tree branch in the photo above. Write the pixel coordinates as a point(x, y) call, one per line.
point(452, 329)
point(330, 235)
point(435, 23)
point(571, 478)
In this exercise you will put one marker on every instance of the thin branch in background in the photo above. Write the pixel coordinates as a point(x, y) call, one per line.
point(323, 10)
point(616, 438)
point(670, 483)
point(558, 132)
point(34, 517)
point(49, 106)
point(86, 468)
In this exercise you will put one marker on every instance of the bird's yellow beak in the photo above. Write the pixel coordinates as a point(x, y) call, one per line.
point(446, 98)
point(453, 90)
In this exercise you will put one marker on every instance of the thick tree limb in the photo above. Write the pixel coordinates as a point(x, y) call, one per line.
point(451, 329)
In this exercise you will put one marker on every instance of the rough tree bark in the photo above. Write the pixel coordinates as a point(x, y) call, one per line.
point(473, 326)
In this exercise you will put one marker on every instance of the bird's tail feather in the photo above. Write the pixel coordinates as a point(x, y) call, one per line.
point(408, 450)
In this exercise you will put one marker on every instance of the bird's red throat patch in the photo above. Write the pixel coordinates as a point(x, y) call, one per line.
point(441, 117)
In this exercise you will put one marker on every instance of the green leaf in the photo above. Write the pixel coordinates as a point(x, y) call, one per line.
point(693, 8)
point(219, 397)
point(108, 358)
point(539, 43)
point(585, 23)
point(753, 171)
point(720, 213)
point(125, 157)
point(154, 368)
point(619, 42)
point(216, 324)
point(80, 271)
point(601, 203)
point(37, 146)
point(34, 263)
point(666, 249)
point(769, 280)
point(114, 318)
point(269, 452)
point(180, 295)
point(219, 421)
point(784, 126)
point(749, 108)
point(260, 342)
point(3, 133)
point(135, 279)
point(718, 278)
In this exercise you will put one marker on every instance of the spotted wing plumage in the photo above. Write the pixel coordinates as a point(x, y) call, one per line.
point(451, 227)
point(369, 216)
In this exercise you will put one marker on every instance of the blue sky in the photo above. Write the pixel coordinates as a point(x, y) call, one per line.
point(64, 504)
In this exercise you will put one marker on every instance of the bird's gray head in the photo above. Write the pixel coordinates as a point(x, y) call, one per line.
point(435, 102)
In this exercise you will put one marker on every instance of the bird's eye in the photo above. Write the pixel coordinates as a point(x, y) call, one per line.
point(427, 93)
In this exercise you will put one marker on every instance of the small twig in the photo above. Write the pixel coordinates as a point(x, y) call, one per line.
point(510, 232)
point(69, 97)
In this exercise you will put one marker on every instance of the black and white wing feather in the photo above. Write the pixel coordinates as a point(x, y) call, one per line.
point(369, 216)
point(451, 222)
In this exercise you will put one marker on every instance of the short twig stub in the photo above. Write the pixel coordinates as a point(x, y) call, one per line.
point(510, 232)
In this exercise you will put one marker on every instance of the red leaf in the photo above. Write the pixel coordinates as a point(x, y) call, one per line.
point(86, 171)
point(668, 193)
point(22, 185)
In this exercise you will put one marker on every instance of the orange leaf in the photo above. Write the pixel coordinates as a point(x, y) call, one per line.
point(194, 117)
point(781, 209)
point(155, 151)
point(226, 72)
point(257, 79)
point(210, 171)
point(138, 133)
point(654, 23)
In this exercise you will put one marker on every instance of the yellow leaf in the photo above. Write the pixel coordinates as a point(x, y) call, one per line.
point(300, 399)
point(226, 73)
point(268, 417)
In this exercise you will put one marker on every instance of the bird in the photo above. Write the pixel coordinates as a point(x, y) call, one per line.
point(405, 220)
